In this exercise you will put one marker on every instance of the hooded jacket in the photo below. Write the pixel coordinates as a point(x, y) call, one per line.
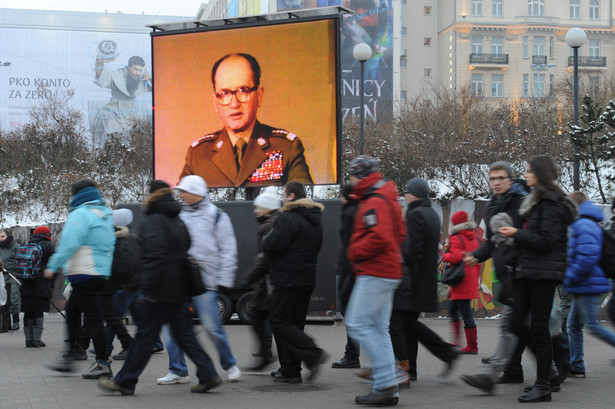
point(375, 244)
point(584, 275)
point(294, 243)
point(165, 243)
point(213, 243)
point(40, 287)
point(462, 240)
point(8, 251)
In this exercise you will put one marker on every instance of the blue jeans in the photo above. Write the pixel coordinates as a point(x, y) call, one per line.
point(207, 307)
point(461, 307)
point(367, 321)
point(585, 310)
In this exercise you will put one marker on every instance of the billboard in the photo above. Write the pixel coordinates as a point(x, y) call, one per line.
point(372, 24)
point(94, 65)
point(272, 116)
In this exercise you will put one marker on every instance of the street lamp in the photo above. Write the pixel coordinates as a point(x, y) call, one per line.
point(540, 68)
point(575, 38)
point(362, 52)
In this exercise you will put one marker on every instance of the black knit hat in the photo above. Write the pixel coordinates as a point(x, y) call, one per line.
point(157, 185)
point(418, 187)
point(363, 165)
point(81, 184)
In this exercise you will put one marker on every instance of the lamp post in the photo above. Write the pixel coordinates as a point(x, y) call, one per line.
point(540, 68)
point(575, 38)
point(362, 52)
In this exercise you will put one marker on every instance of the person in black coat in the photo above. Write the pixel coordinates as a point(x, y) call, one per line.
point(35, 294)
point(541, 264)
point(165, 242)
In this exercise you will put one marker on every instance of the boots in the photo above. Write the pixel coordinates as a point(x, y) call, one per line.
point(37, 332)
point(28, 326)
point(401, 370)
point(456, 333)
point(15, 326)
point(471, 340)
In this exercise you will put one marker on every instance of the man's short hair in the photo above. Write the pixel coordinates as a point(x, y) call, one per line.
point(136, 60)
point(578, 197)
point(81, 184)
point(502, 165)
point(256, 69)
point(297, 188)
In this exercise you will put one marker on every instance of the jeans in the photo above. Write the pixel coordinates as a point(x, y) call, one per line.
point(206, 305)
point(154, 316)
point(506, 346)
point(585, 310)
point(367, 321)
point(461, 307)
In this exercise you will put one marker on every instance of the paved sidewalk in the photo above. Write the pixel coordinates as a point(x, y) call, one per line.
point(26, 383)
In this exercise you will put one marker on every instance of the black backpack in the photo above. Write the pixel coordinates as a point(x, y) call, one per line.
point(125, 261)
point(607, 260)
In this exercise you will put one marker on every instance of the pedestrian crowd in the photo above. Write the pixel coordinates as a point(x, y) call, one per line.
point(542, 242)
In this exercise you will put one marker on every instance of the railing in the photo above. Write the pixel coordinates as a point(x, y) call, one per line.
point(539, 59)
point(480, 58)
point(588, 61)
point(537, 19)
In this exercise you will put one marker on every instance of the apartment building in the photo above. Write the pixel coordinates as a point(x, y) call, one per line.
point(502, 48)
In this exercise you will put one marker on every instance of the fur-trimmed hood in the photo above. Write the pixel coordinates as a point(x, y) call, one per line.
point(162, 201)
point(307, 208)
point(530, 202)
point(463, 226)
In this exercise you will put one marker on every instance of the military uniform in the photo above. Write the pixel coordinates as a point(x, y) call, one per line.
point(272, 157)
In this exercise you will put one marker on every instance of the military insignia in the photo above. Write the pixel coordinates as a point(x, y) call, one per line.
point(281, 132)
point(261, 141)
point(219, 144)
point(369, 219)
point(202, 139)
point(291, 136)
point(272, 168)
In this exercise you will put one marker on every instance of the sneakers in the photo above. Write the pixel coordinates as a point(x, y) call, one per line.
point(97, 369)
point(233, 373)
point(576, 374)
point(479, 381)
point(383, 397)
point(109, 385)
point(157, 349)
point(171, 378)
point(77, 353)
point(207, 386)
point(121, 356)
point(287, 379)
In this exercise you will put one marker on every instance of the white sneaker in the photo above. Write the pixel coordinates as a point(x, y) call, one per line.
point(171, 379)
point(233, 373)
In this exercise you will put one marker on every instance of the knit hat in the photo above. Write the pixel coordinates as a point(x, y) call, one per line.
point(268, 199)
point(122, 217)
point(81, 184)
point(505, 165)
point(157, 185)
point(193, 184)
point(44, 230)
point(459, 217)
point(417, 187)
point(363, 165)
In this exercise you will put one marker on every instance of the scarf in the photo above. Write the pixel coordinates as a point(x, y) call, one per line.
point(86, 195)
point(7, 242)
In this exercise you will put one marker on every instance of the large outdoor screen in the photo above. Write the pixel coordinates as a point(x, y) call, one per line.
point(241, 131)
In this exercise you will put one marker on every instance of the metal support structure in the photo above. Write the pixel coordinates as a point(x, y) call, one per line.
point(577, 164)
point(362, 110)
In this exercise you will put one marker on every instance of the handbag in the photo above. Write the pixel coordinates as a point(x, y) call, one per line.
point(194, 280)
point(454, 273)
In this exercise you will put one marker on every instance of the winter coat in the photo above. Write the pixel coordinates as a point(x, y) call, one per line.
point(85, 249)
point(39, 287)
point(165, 243)
point(293, 244)
point(421, 255)
point(213, 243)
point(584, 275)
point(8, 250)
point(126, 259)
point(256, 276)
point(343, 267)
point(462, 240)
point(543, 240)
point(375, 244)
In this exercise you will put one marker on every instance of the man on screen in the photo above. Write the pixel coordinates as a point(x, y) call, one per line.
point(244, 152)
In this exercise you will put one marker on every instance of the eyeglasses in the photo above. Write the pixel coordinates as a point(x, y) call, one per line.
point(499, 178)
point(243, 94)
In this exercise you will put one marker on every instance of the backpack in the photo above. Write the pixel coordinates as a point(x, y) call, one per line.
point(124, 262)
point(29, 261)
point(607, 260)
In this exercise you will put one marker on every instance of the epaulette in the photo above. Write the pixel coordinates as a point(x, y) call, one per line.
point(281, 132)
point(205, 138)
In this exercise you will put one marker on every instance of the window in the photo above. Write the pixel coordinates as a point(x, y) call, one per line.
point(427, 41)
point(551, 47)
point(535, 7)
point(427, 72)
point(526, 85)
point(497, 45)
point(575, 9)
point(404, 31)
point(404, 95)
point(539, 45)
point(551, 83)
point(403, 63)
point(594, 85)
point(477, 84)
point(497, 85)
point(526, 42)
point(497, 8)
point(477, 7)
point(539, 84)
point(477, 45)
point(594, 48)
point(594, 10)
point(427, 10)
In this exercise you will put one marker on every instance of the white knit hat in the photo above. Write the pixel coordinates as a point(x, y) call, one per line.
point(268, 199)
point(193, 184)
point(122, 217)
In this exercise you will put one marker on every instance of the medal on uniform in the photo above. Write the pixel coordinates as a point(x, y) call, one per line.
point(272, 168)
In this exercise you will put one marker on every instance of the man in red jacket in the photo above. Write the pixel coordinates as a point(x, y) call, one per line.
point(375, 253)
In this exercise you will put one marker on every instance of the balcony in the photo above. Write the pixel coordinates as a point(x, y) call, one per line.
point(539, 59)
point(499, 61)
point(537, 20)
point(589, 62)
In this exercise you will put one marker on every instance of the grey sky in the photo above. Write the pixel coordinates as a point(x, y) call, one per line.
point(187, 8)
